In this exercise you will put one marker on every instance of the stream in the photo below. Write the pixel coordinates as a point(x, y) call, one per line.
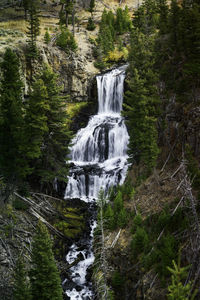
point(98, 159)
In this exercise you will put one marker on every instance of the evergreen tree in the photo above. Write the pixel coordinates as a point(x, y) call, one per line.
point(139, 242)
point(109, 217)
point(141, 101)
point(92, 6)
point(44, 276)
point(146, 17)
point(178, 290)
point(118, 202)
point(21, 289)
point(47, 37)
point(119, 21)
point(123, 22)
point(66, 40)
point(106, 33)
point(25, 4)
point(52, 163)
point(163, 17)
point(91, 26)
point(36, 120)
point(66, 10)
point(33, 30)
point(122, 218)
point(13, 165)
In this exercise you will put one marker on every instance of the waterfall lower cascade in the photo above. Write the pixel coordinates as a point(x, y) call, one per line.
point(98, 160)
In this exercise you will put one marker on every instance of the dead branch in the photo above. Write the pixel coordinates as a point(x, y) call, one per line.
point(115, 240)
point(39, 217)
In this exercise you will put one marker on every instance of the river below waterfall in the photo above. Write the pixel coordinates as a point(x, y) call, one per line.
point(98, 160)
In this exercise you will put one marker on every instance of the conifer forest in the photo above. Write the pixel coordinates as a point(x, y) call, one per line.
point(99, 149)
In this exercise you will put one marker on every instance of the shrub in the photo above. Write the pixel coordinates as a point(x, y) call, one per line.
point(20, 205)
point(66, 41)
point(139, 242)
point(90, 26)
point(117, 280)
point(47, 37)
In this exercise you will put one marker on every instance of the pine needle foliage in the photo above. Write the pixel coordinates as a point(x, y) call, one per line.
point(44, 276)
point(13, 164)
point(33, 29)
point(177, 289)
point(21, 290)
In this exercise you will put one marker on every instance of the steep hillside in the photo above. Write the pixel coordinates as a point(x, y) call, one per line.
point(148, 228)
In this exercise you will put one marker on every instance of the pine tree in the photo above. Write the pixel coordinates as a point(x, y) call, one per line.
point(91, 26)
point(106, 33)
point(33, 31)
point(52, 163)
point(36, 120)
point(25, 4)
point(92, 6)
point(109, 217)
point(66, 10)
point(44, 276)
point(163, 17)
point(21, 290)
point(13, 165)
point(140, 241)
point(178, 290)
point(66, 41)
point(119, 21)
point(47, 37)
point(141, 102)
point(146, 17)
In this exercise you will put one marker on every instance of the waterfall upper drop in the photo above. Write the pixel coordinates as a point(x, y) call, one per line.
point(99, 151)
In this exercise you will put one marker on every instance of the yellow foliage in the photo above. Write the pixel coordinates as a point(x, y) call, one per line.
point(117, 55)
point(73, 110)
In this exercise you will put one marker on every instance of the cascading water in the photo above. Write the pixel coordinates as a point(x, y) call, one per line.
point(99, 160)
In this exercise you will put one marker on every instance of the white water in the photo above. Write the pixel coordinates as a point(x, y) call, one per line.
point(99, 161)
point(99, 150)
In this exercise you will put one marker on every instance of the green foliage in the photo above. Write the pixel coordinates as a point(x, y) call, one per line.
point(92, 6)
point(140, 242)
point(52, 162)
point(47, 37)
point(66, 11)
point(66, 41)
point(109, 217)
point(110, 27)
point(123, 22)
point(146, 17)
point(36, 120)
point(21, 290)
point(178, 45)
point(153, 243)
point(141, 102)
point(90, 26)
point(165, 251)
point(137, 221)
point(117, 280)
point(20, 205)
point(13, 165)
point(177, 290)
point(120, 215)
point(163, 16)
point(44, 276)
point(106, 33)
point(33, 29)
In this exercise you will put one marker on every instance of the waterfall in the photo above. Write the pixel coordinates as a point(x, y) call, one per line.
point(98, 159)
point(98, 154)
